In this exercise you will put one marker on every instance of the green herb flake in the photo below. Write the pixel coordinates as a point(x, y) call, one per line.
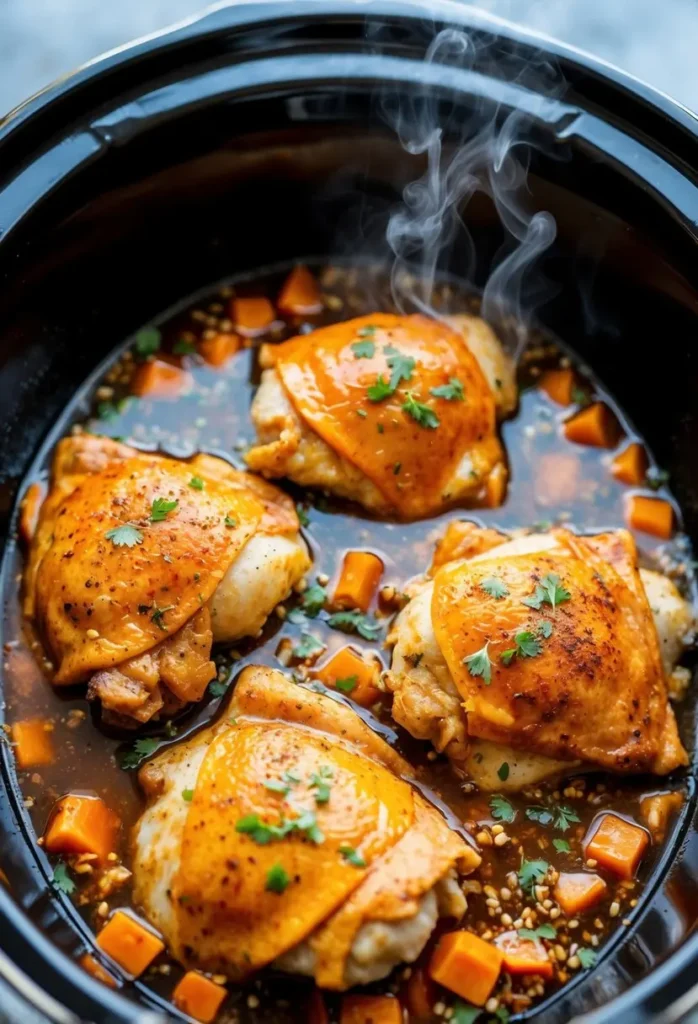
point(278, 879)
point(548, 591)
point(420, 413)
point(138, 753)
point(124, 536)
point(182, 347)
point(313, 600)
point(161, 508)
point(188, 795)
point(276, 786)
point(380, 390)
point(307, 647)
point(501, 809)
point(587, 957)
point(217, 688)
point(364, 349)
point(401, 367)
point(230, 522)
point(494, 587)
point(302, 514)
point(503, 771)
point(62, 880)
point(539, 814)
point(561, 845)
point(347, 684)
point(197, 483)
point(368, 331)
point(564, 817)
point(452, 392)
point(545, 629)
point(352, 856)
point(532, 872)
point(321, 783)
point(147, 341)
point(479, 664)
point(396, 468)
point(464, 1013)
point(355, 622)
point(158, 616)
point(544, 931)
point(508, 656)
point(527, 644)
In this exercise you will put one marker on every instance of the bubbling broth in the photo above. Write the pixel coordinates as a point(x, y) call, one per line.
point(200, 402)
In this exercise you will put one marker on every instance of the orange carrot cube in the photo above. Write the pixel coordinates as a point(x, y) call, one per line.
point(216, 351)
point(576, 891)
point(467, 965)
point(358, 580)
point(616, 845)
point(300, 295)
point(129, 943)
point(33, 743)
point(198, 996)
point(524, 956)
point(558, 385)
point(159, 379)
point(630, 465)
point(95, 969)
point(81, 824)
point(595, 426)
point(252, 316)
point(370, 1010)
point(352, 675)
point(650, 515)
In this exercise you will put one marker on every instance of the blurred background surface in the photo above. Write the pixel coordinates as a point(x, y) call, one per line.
point(42, 39)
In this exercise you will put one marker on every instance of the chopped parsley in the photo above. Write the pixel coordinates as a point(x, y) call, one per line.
point(188, 795)
point(290, 777)
point(545, 629)
point(140, 750)
point(420, 413)
point(277, 786)
point(479, 664)
point(124, 536)
point(401, 367)
point(561, 845)
point(277, 879)
point(348, 684)
point(355, 622)
point(540, 814)
point(380, 390)
point(147, 341)
point(230, 522)
point(548, 591)
point(564, 817)
point(217, 688)
point(587, 957)
point(501, 809)
point(367, 332)
point(543, 931)
point(363, 349)
point(307, 647)
point(503, 771)
point(527, 644)
point(352, 856)
point(160, 509)
point(396, 468)
point(182, 347)
point(452, 392)
point(158, 614)
point(494, 587)
point(531, 873)
point(302, 514)
point(313, 600)
point(197, 483)
point(62, 880)
point(320, 781)
point(463, 1013)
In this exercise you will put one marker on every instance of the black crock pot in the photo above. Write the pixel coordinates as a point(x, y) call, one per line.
point(256, 134)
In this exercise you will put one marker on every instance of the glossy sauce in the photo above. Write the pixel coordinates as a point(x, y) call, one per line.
point(551, 481)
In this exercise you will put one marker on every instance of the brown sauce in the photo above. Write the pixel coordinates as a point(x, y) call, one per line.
point(552, 481)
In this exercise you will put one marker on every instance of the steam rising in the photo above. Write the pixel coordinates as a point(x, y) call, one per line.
point(491, 155)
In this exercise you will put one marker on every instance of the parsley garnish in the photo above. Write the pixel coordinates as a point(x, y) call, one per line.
point(561, 845)
point(355, 622)
point(158, 614)
point(367, 332)
point(62, 880)
point(501, 809)
point(531, 873)
point(307, 647)
point(545, 629)
point(527, 644)
point(277, 879)
point(230, 522)
point(140, 750)
point(452, 392)
point(543, 931)
point(188, 795)
point(290, 777)
point(352, 856)
point(548, 591)
point(420, 413)
point(276, 786)
point(396, 468)
point(401, 367)
point(564, 816)
point(363, 349)
point(503, 771)
point(182, 347)
point(464, 1014)
point(494, 587)
point(380, 390)
point(217, 688)
point(302, 514)
point(347, 685)
point(124, 536)
point(479, 664)
point(587, 957)
point(147, 341)
point(540, 814)
point(160, 509)
point(319, 782)
point(197, 483)
point(313, 600)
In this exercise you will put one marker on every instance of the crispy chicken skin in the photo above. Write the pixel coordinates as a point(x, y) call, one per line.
point(204, 882)
point(137, 619)
point(317, 424)
point(592, 693)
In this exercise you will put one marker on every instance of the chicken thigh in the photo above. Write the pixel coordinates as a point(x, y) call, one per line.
point(299, 843)
point(397, 413)
point(542, 653)
point(140, 562)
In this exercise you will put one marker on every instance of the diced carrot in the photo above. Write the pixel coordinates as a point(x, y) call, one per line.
point(33, 743)
point(496, 487)
point(317, 1011)
point(198, 996)
point(159, 379)
point(81, 824)
point(31, 504)
point(358, 580)
point(616, 845)
point(129, 943)
point(595, 426)
point(523, 956)
point(657, 810)
point(630, 465)
point(94, 968)
point(370, 1010)
point(576, 891)
point(420, 994)
point(216, 351)
point(558, 385)
point(252, 316)
point(650, 515)
point(352, 675)
point(467, 965)
point(557, 477)
point(300, 295)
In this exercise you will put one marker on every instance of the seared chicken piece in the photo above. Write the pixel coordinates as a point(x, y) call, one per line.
point(131, 598)
point(397, 413)
point(303, 845)
point(542, 652)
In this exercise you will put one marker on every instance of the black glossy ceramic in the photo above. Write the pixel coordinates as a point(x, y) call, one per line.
point(257, 133)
